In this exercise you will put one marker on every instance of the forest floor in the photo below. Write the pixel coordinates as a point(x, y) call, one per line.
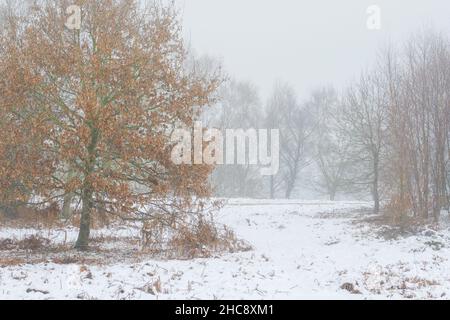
point(301, 250)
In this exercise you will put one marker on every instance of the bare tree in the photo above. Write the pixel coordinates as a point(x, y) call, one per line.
point(363, 121)
point(331, 148)
point(239, 108)
point(418, 125)
point(295, 124)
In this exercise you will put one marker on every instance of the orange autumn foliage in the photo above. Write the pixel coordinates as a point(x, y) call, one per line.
point(90, 111)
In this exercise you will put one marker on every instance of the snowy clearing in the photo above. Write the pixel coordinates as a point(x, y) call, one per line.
point(301, 250)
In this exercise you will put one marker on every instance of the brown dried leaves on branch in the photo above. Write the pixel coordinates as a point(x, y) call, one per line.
point(90, 111)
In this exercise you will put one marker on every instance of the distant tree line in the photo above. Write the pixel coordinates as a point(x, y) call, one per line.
point(386, 135)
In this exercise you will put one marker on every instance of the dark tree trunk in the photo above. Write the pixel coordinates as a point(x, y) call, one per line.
point(66, 211)
point(85, 221)
point(87, 194)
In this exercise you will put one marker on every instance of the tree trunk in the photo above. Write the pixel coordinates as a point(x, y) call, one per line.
point(85, 221)
point(288, 193)
point(87, 195)
point(66, 211)
point(376, 199)
point(272, 187)
point(289, 190)
point(332, 195)
point(375, 192)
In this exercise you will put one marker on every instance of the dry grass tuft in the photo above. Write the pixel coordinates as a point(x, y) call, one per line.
point(31, 243)
point(189, 241)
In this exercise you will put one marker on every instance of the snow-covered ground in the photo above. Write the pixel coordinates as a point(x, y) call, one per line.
point(302, 250)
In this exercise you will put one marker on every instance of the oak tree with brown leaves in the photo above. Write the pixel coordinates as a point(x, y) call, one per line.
point(90, 111)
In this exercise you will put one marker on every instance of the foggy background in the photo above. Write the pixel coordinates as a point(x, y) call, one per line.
point(306, 43)
point(290, 64)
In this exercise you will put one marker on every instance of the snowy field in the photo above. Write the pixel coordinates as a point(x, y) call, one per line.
point(301, 250)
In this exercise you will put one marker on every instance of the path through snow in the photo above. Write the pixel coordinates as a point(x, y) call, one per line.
point(302, 250)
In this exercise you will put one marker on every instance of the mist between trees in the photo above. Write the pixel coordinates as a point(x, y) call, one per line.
point(250, 146)
point(384, 137)
point(86, 118)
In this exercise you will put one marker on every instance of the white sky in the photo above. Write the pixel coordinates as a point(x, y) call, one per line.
point(307, 43)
